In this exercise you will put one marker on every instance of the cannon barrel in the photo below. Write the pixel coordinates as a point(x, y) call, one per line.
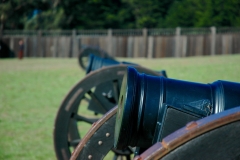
point(96, 62)
point(151, 107)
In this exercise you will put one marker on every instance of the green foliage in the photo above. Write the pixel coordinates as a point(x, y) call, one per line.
point(14, 12)
point(50, 19)
point(118, 14)
point(149, 14)
point(204, 13)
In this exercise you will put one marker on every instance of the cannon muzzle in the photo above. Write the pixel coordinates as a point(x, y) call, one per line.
point(152, 107)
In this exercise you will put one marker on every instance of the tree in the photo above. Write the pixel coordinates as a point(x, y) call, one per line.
point(149, 14)
point(13, 12)
point(204, 13)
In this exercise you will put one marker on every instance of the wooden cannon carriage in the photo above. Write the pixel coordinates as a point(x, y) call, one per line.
point(97, 92)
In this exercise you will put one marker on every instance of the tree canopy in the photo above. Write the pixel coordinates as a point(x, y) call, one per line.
point(117, 14)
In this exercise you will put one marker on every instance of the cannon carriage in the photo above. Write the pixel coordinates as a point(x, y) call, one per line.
point(97, 92)
point(164, 118)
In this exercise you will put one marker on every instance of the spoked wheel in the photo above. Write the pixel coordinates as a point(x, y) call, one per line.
point(83, 56)
point(99, 139)
point(214, 137)
point(88, 100)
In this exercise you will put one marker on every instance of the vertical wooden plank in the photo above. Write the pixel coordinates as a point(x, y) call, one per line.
point(158, 45)
point(35, 46)
point(114, 46)
point(213, 41)
point(171, 46)
point(144, 43)
point(184, 46)
point(49, 46)
point(199, 45)
point(110, 45)
point(141, 47)
point(130, 41)
point(92, 41)
point(64, 46)
point(124, 47)
point(226, 44)
point(177, 42)
point(43, 40)
point(39, 44)
point(135, 47)
point(25, 43)
point(60, 50)
point(75, 47)
point(192, 52)
point(119, 51)
point(54, 48)
point(164, 47)
point(103, 43)
point(236, 43)
point(29, 46)
point(150, 47)
point(168, 47)
point(207, 45)
point(218, 44)
point(230, 38)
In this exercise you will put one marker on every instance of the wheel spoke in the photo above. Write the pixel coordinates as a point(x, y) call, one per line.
point(85, 119)
point(86, 99)
point(74, 143)
point(96, 101)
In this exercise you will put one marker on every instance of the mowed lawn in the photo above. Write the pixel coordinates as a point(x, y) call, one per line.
point(31, 90)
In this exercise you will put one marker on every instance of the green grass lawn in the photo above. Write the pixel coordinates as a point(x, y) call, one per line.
point(31, 91)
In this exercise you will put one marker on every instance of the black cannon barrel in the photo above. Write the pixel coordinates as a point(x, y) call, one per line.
point(151, 107)
point(96, 62)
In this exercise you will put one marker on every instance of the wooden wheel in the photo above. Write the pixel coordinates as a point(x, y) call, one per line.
point(99, 139)
point(97, 93)
point(214, 137)
point(83, 56)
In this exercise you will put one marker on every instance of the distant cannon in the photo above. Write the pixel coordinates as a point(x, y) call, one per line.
point(97, 92)
point(84, 55)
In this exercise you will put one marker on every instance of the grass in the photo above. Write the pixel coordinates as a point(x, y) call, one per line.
point(31, 91)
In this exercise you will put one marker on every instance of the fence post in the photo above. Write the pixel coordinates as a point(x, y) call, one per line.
point(213, 40)
point(110, 41)
point(150, 47)
point(177, 42)
point(145, 42)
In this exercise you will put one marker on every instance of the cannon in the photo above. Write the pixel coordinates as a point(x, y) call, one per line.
point(97, 92)
point(144, 90)
point(151, 107)
point(84, 55)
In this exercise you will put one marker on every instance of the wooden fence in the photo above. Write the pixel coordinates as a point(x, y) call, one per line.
point(151, 43)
